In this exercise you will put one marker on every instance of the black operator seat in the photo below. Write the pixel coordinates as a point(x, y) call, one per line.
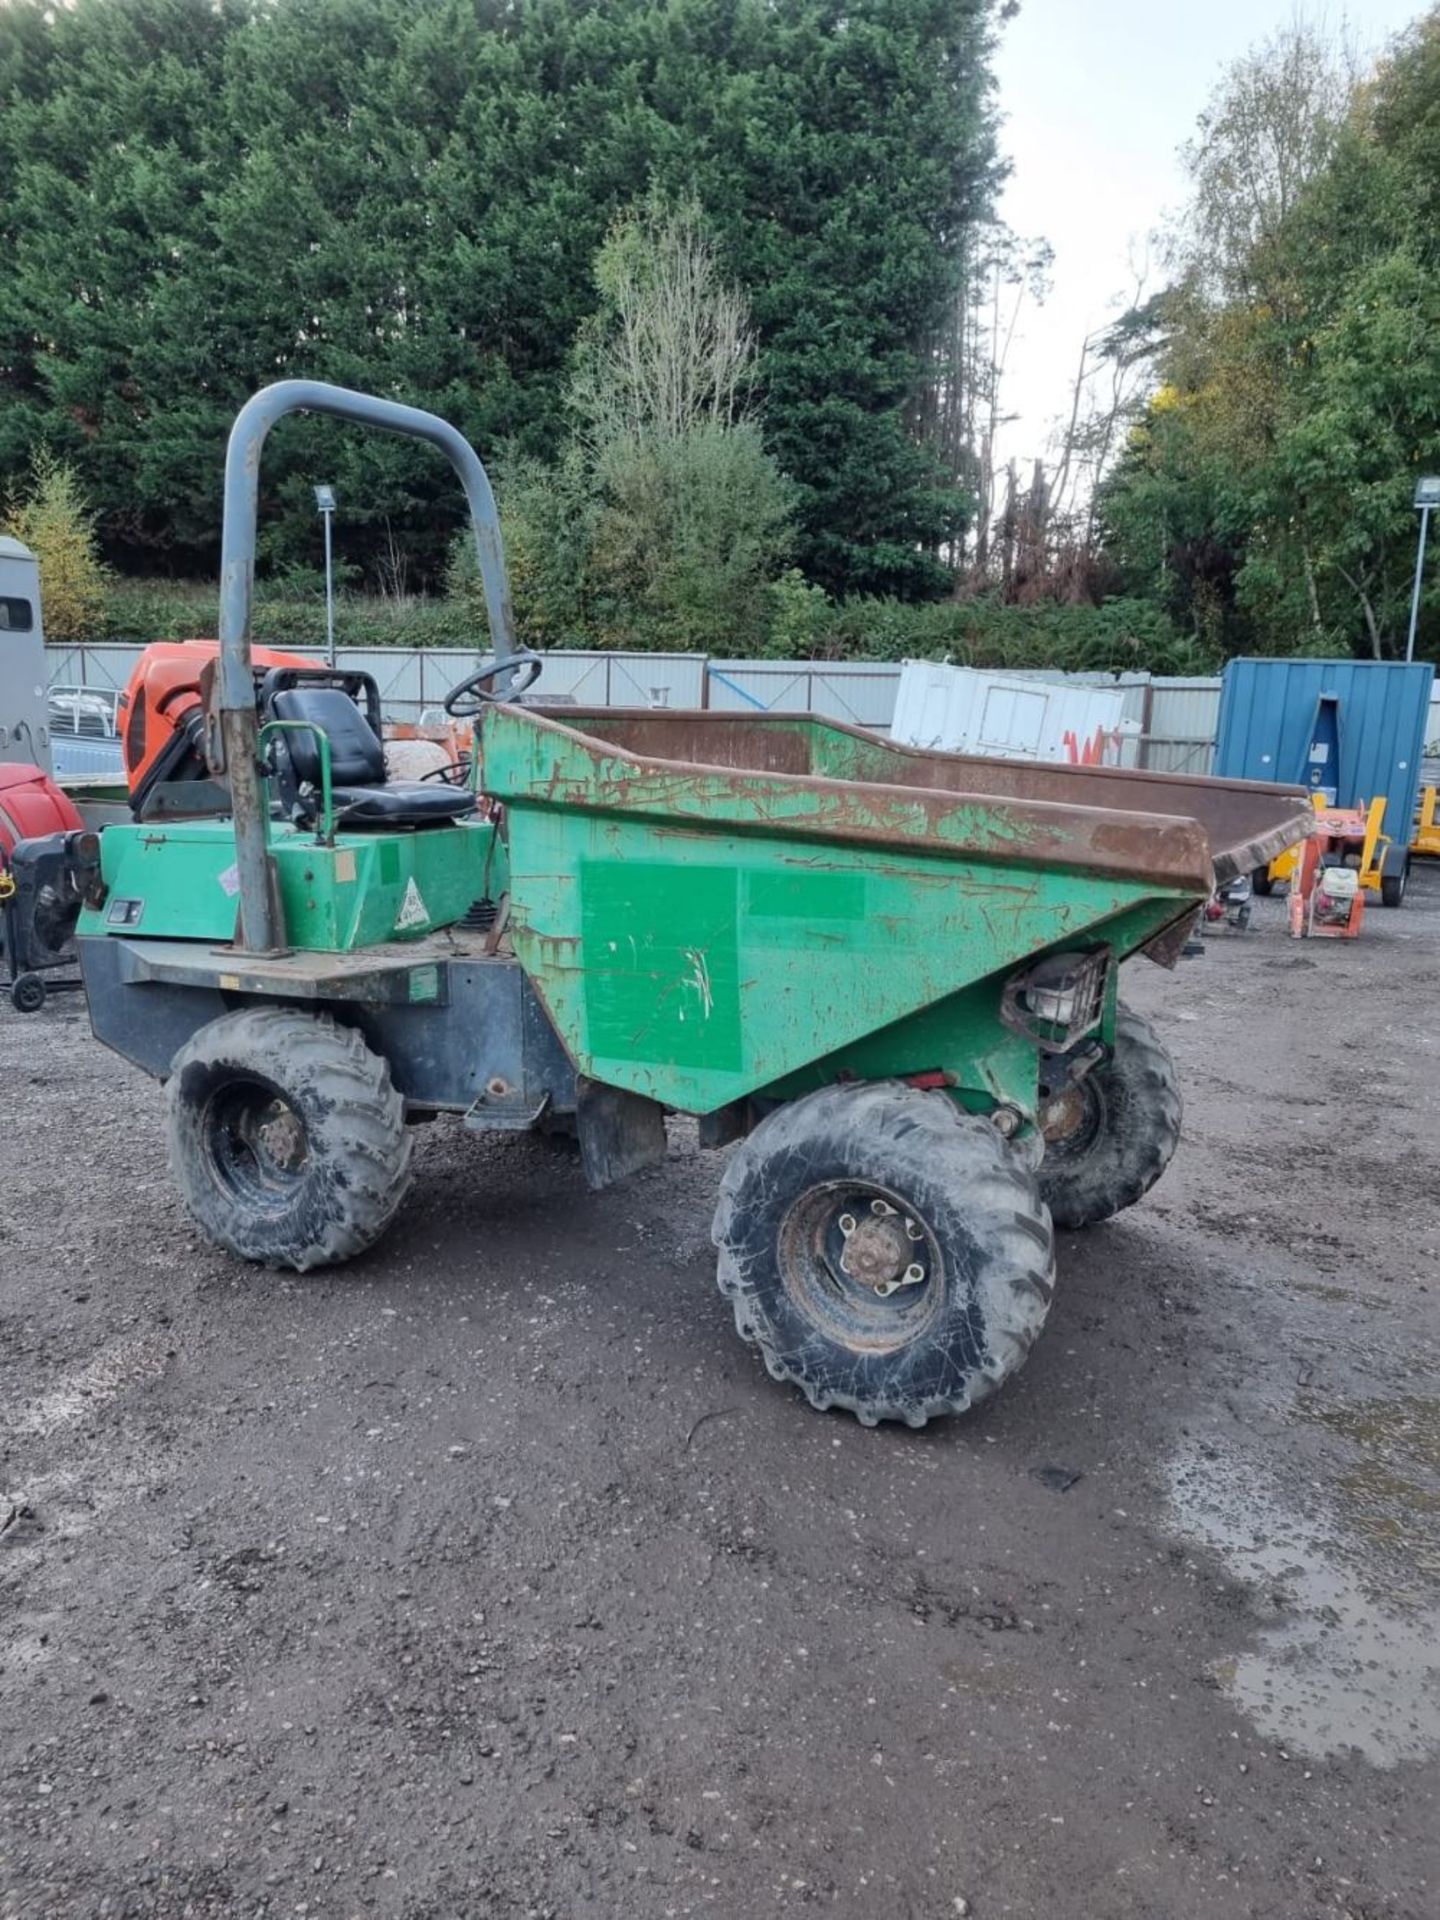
point(362, 796)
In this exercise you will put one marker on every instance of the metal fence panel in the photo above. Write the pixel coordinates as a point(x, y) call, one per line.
point(395, 671)
point(583, 678)
point(414, 681)
point(105, 665)
point(613, 679)
point(1175, 756)
point(860, 692)
point(1177, 715)
point(1180, 732)
point(638, 678)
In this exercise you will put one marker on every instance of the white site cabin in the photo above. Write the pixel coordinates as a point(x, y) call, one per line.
point(1009, 716)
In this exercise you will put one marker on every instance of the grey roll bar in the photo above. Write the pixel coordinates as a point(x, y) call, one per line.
point(260, 924)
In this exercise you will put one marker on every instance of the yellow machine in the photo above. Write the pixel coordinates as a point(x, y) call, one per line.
point(1427, 827)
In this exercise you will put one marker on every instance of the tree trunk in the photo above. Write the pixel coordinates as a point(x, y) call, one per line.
point(1311, 591)
point(1372, 625)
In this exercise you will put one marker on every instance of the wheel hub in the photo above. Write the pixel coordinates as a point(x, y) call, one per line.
point(276, 1135)
point(256, 1141)
point(880, 1249)
point(1064, 1113)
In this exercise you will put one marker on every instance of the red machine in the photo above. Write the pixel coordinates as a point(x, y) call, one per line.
point(46, 859)
point(31, 804)
point(162, 713)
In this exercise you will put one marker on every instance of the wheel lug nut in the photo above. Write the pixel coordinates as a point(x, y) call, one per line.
point(847, 1224)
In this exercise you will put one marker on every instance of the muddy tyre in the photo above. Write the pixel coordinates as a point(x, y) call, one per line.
point(287, 1138)
point(1109, 1138)
point(886, 1252)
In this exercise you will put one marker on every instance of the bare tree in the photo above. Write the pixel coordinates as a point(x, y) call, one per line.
point(392, 569)
point(1112, 379)
point(960, 408)
point(672, 347)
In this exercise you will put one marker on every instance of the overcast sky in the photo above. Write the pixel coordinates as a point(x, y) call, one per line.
point(1098, 96)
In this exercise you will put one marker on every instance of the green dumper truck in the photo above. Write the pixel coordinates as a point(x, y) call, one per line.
point(887, 977)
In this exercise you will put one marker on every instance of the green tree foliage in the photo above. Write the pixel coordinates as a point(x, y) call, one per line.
point(198, 196)
point(689, 529)
point(1265, 498)
point(1129, 636)
point(51, 517)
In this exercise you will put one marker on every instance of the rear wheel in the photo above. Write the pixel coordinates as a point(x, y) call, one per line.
point(287, 1137)
point(1110, 1136)
point(1394, 876)
point(1262, 883)
point(885, 1251)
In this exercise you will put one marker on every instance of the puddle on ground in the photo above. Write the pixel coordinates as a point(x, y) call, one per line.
point(1355, 1664)
point(1406, 1428)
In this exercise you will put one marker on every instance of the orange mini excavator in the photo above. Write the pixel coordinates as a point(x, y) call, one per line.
point(161, 717)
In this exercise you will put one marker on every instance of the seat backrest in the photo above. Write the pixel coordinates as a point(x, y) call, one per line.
point(357, 758)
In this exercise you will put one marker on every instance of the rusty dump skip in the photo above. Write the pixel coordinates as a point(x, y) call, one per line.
point(1246, 823)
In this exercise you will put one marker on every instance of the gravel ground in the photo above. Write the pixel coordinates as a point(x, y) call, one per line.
point(493, 1577)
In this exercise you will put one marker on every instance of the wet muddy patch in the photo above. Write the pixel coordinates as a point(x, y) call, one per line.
point(1345, 1575)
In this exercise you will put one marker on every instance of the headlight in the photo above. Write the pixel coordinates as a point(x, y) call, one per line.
point(1059, 1000)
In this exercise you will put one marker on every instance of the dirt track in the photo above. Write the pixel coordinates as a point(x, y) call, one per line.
point(493, 1577)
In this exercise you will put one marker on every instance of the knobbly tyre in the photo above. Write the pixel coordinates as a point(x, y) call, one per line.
point(889, 975)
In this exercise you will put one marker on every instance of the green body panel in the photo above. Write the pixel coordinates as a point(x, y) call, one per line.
point(963, 1036)
point(698, 963)
point(365, 889)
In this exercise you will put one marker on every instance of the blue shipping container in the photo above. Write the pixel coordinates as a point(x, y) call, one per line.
point(1353, 729)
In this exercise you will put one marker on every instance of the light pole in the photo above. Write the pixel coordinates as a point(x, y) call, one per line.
point(325, 502)
point(1427, 498)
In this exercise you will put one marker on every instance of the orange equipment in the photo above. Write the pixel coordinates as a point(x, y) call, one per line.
point(1327, 895)
point(161, 712)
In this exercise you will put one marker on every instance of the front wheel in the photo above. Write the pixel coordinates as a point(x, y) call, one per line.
point(1110, 1136)
point(886, 1252)
point(287, 1138)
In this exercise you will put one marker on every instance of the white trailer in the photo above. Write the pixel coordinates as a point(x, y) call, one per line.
point(24, 723)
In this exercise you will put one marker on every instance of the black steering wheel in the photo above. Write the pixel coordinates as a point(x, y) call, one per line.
point(455, 773)
point(466, 700)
